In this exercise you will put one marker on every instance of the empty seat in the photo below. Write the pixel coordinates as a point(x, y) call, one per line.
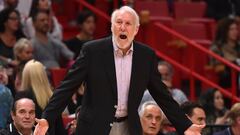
point(189, 9)
point(57, 75)
point(156, 8)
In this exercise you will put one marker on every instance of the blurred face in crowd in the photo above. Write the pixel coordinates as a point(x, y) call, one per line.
point(124, 28)
point(151, 120)
point(165, 73)
point(198, 116)
point(13, 22)
point(218, 100)
point(11, 3)
point(89, 26)
point(42, 23)
point(26, 53)
point(43, 4)
point(3, 76)
point(233, 32)
point(24, 117)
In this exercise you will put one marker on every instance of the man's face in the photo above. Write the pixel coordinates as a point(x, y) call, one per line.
point(41, 23)
point(89, 26)
point(12, 3)
point(24, 117)
point(151, 120)
point(165, 73)
point(124, 28)
point(198, 116)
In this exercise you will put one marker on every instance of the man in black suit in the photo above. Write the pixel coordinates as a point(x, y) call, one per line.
point(117, 71)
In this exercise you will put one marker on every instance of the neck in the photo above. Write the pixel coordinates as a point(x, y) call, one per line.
point(231, 43)
point(42, 37)
point(84, 36)
point(23, 131)
point(235, 129)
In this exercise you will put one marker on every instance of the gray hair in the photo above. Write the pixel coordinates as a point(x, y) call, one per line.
point(127, 9)
point(20, 46)
point(168, 65)
point(145, 105)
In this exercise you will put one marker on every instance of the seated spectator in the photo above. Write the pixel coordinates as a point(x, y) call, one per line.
point(166, 70)
point(213, 104)
point(234, 116)
point(48, 50)
point(227, 46)
point(23, 50)
point(87, 23)
point(194, 112)
point(55, 28)
point(36, 86)
point(150, 116)
point(6, 99)
point(10, 3)
point(10, 32)
point(23, 116)
point(218, 9)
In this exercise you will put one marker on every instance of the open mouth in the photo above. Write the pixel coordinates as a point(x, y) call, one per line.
point(123, 36)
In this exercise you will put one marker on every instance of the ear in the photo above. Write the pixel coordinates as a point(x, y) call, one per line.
point(13, 116)
point(238, 120)
point(136, 31)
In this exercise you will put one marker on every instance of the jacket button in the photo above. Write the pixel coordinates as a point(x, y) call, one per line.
point(111, 124)
point(115, 106)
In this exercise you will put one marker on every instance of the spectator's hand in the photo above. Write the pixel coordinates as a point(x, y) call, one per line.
point(194, 129)
point(13, 63)
point(42, 127)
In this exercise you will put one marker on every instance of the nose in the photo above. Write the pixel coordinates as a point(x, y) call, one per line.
point(27, 115)
point(154, 121)
point(122, 27)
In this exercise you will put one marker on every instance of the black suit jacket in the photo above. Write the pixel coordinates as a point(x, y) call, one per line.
point(95, 65)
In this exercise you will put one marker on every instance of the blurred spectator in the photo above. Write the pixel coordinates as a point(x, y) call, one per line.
point(23, 116)
point(218, 9)
point(195, 112)
point(234, 116)
point(6, 98)
point(216, 112)
point(10, 3)
point(36, 86)
point(166, 70)
point(10, 32)
point(87, 23)
point(55, 29)
point(23, 50)
point(151, 117)
point(48, 50)
point(226, 44)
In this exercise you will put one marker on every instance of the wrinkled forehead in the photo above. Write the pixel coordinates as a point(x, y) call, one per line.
point(125, 15)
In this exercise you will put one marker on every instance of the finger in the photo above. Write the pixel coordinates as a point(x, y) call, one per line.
point(37, 120)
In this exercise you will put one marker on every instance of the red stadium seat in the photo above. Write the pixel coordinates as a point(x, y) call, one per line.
point(57, 76)
point(156, 8)
point(189, 9)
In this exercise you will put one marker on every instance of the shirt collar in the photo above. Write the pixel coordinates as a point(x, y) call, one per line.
point(116, 49)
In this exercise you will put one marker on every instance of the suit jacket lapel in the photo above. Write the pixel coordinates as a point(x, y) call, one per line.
point(108, 59)
point(136, 64)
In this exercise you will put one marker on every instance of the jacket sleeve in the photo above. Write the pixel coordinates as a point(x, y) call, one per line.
point(62, 95)
point(162, 96)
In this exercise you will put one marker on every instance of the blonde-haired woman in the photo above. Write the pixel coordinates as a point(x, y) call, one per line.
point(35, 85)
point(34, 77)
point(23, 50)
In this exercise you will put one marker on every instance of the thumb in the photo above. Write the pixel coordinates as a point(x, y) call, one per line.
point(37, 120)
